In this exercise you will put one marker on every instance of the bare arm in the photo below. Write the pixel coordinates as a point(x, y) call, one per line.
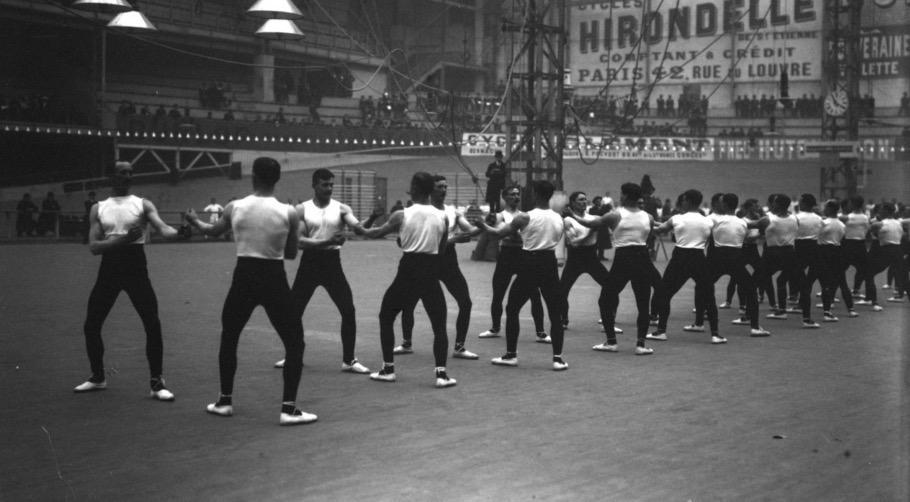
point(290, 247)
point(663, 227)
point(392, 225)
point(608, 220)
point(212, 229)
point(151, 212)
point(520, 221)
point(98, 244)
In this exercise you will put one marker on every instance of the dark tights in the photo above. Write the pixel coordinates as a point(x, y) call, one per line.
point(630, 263)
point(323, 268)
point(263, 282)
point(123, 269)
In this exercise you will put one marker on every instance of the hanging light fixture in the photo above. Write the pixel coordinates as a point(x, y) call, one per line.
point(274, 9)
point(132, 20)
point(103, 6)
point(280, 29)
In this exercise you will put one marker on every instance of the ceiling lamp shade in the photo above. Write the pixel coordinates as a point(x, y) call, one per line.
point(132, 20)
point(280, 29)
point(274, 9)
point(103, 6)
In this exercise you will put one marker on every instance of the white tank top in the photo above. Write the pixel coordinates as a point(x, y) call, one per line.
point(831, 233)
point(691, 230)
point(511, 240)
point(119, 214)
point(781, 231)
point(808, 225)
point(890, 232)
point(729, 231)
point(543, 231)
point(452, 216)
point(578, 235)
point(422, 229)
point(260, 226)
point(633, 228)
point(322, 222)
point(857, 226)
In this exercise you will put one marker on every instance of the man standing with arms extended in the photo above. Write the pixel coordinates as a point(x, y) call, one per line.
point(118, 233)
point(322, 221)
point(265, 231)
point(496, 182)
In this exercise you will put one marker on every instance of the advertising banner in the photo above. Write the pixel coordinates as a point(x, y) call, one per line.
point(693, 41)
point(634, 148)
point(884, 45)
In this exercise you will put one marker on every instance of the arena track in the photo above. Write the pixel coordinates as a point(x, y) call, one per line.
point(802, 415)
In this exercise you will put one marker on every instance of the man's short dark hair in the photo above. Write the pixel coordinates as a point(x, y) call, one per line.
point(543, 189)
point(422, 184)
point(730, 201)
point(322, 174)
point(807, 201)
point(498, 153)
point(631, 191)
point(266, 170)
point(693, 197)
point(438, 177)
point(574, 196)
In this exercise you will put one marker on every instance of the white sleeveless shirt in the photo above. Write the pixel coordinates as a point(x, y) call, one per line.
point(260, 226)
point(890, 232)
point(857, 226)
point(422, 229)
point(729, 230)
point(831, 233)
point(578, 235)
point(781, 231)
point(691, 230)
point(322, 222)
point(633, 228)
point(543, 231)
point(808, 225)
point(511, 240)
point(119, 214)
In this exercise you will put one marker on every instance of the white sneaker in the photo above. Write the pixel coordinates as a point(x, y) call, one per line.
point(296, 417)
point(616, 330)
point(829, 317)
point(89, 386)
point(402, 349)
point(280, 364)
point(741, 321)
point(877, 308)
point(724, 305)
point(759, 332)
point(464, 353)
point(852, 313)
point(605, 347)
point(505, 360)
point(896, 299)
point(160, 392)
point(776, 315)
point(443, 380)
point(657, 336)
point(559, 364)
point(542, 337)
point(697, 328)
point(384, 375)
point(643, 351)
point(222, 411)
point(810, 324)
point(863, 302)
point(354, 367)
point(488, 334)
point(718, 339)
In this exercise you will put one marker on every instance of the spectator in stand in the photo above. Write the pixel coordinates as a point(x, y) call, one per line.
point(496, 182)
point(50, 212)
point(126, 109)
point(25, 221)
point(229, 115)
point(668, 110)
point(904, 110)
point(145, 111)
point(175, 112)
point(280, 117)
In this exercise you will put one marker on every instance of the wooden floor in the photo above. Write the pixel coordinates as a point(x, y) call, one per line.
point(801, 415)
